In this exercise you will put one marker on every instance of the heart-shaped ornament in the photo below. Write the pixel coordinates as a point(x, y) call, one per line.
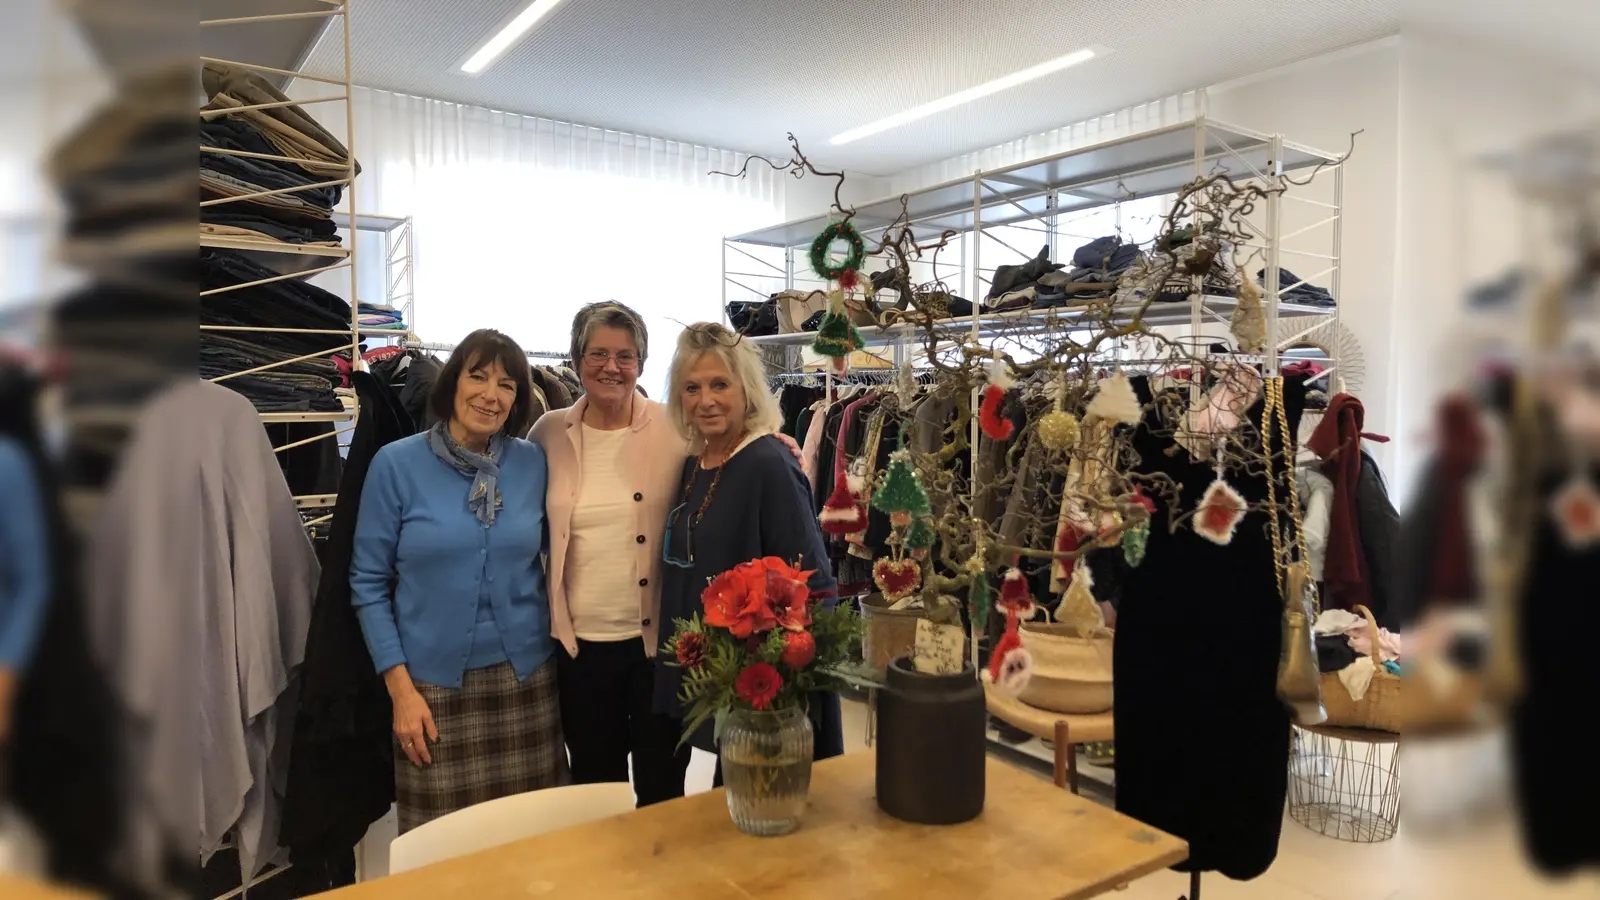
point(897, 578)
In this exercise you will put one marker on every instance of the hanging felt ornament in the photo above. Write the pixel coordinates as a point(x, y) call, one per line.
point(901, 495)
point(1115, 401)
point(1249, 323)
point(897, 578)
point(1068, 539)
point(822, 245)
point(837, 337)
point(919, 540)
point(843, 513)
point(1010, 665)
point(1221, 508)
point(1015, 599)
point(978, 599)
point(990, 420)
point(1137, 536)
point(1078, 607)
point(1576, 510)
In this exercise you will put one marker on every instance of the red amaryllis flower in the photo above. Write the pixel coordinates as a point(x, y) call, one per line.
point(737, 600)
point(758, 684)
point(691, 649)
point(799, 649)
point(789, 598)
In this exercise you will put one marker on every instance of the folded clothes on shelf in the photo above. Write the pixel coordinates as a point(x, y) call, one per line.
point(1295, 291)
point(288, 128)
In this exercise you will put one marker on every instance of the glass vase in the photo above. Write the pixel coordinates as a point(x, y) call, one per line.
point(766, 769)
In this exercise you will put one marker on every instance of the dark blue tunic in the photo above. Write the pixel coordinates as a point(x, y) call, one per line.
point(762, 508)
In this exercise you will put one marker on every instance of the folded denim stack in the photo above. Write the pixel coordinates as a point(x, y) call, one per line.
point(302, 216)
point(1017, 286)
point(380, 317)
point(303, 386)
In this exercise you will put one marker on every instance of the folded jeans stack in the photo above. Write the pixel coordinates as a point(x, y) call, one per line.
point(1096, 266)
point(303, 386)
point(301, 216)
point(380, 317)
point(1296, 291)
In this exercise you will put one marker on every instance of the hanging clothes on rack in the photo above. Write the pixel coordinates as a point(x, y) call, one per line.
point(199, 481)
point(1202, 739)
point(341, 765)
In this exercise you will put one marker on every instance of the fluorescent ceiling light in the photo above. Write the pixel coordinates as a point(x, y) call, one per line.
point(970, 94)
point(510, 34)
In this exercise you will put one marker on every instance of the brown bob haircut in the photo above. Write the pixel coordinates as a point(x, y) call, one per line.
point(478, 350)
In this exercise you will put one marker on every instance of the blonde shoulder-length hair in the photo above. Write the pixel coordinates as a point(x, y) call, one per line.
point(761, 412)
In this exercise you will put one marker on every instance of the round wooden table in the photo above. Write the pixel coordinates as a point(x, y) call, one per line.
point(1063, 730)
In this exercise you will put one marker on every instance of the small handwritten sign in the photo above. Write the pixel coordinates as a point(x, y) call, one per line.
point(939, 648)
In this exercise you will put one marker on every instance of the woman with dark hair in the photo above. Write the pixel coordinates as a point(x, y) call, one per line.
point(448, 583)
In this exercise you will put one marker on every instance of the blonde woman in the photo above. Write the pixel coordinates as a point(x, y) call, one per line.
point(742, 495)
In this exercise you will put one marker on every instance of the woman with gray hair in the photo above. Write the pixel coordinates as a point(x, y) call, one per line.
point(615, 461)
point(741, 496)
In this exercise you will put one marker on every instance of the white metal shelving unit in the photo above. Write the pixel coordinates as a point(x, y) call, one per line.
point(1035, 196)
point(398, 272)
point(335, 257)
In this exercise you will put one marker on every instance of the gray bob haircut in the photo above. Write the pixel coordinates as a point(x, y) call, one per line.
point(761, 413)
point(615, 315)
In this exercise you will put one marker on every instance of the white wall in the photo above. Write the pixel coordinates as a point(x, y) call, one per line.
point(1320, 102)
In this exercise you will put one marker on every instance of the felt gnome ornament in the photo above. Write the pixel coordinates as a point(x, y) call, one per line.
point(844, 513)
point(1010, 665)
point(995, 425)
point(1015, 599)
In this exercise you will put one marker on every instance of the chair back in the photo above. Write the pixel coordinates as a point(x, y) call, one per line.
point(505, 820)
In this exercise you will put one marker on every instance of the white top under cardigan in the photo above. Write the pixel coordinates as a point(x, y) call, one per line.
point(603, 600)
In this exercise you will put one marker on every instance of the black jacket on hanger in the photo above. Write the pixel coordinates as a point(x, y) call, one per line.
point(1202, 739)
point(341, 765)
point(1380, 536)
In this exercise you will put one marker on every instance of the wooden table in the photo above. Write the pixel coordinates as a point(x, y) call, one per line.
point(1034, 841)
point(14, 888)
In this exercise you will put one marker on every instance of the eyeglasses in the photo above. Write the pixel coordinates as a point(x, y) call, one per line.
point(625, 359)
point(688, 541)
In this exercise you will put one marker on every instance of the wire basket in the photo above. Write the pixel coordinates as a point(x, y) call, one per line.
point(1345, 783)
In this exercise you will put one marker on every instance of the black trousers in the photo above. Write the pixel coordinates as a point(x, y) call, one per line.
point(605, 712)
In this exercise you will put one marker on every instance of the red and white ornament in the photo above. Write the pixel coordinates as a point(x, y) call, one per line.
point(1576, 509)
point(1220, 511)
point(1015, 599)
point(995, 425)
point(1010, 666)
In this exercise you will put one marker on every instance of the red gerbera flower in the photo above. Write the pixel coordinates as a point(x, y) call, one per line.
point(691, 649)
point(799, 649)
point(758, 684)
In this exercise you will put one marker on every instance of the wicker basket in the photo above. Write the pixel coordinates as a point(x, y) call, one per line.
point(890, 633)
point(1071, 673)
point(1380, 709)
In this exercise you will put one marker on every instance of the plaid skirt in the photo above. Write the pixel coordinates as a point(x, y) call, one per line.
point(497, 736)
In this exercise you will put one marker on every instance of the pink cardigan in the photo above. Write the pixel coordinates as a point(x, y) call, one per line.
point(653, 457)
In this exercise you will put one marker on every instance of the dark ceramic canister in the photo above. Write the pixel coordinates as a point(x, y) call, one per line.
point(931, 746)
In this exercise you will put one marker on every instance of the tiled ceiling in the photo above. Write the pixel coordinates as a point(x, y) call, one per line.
point(739, 74)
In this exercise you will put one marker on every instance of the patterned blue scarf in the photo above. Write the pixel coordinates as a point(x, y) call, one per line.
point(484, 470)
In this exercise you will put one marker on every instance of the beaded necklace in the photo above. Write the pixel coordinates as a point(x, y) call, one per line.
point(712, 491)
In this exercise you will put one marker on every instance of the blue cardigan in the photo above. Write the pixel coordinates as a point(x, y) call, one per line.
point(431, 584)
point(24, 568)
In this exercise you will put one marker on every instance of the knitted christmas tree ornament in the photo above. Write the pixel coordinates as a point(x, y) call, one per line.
point(1115, 402)
point(1015, 600)
point(837, 337)
point(901, 495)
point(990, 420)
point(919, 540)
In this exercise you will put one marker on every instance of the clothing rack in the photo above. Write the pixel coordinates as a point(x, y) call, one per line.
point(431, 347)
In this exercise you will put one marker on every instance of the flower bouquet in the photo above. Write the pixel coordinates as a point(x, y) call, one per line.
point(751, 659)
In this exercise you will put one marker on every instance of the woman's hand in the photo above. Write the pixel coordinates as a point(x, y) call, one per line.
point(793, 447)
point(413, 721)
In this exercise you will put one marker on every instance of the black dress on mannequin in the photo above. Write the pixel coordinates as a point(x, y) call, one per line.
point(1202, 740)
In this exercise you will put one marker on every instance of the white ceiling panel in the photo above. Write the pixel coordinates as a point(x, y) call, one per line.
point(739, 74)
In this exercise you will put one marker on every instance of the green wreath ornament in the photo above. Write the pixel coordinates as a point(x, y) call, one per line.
point(821, 244)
